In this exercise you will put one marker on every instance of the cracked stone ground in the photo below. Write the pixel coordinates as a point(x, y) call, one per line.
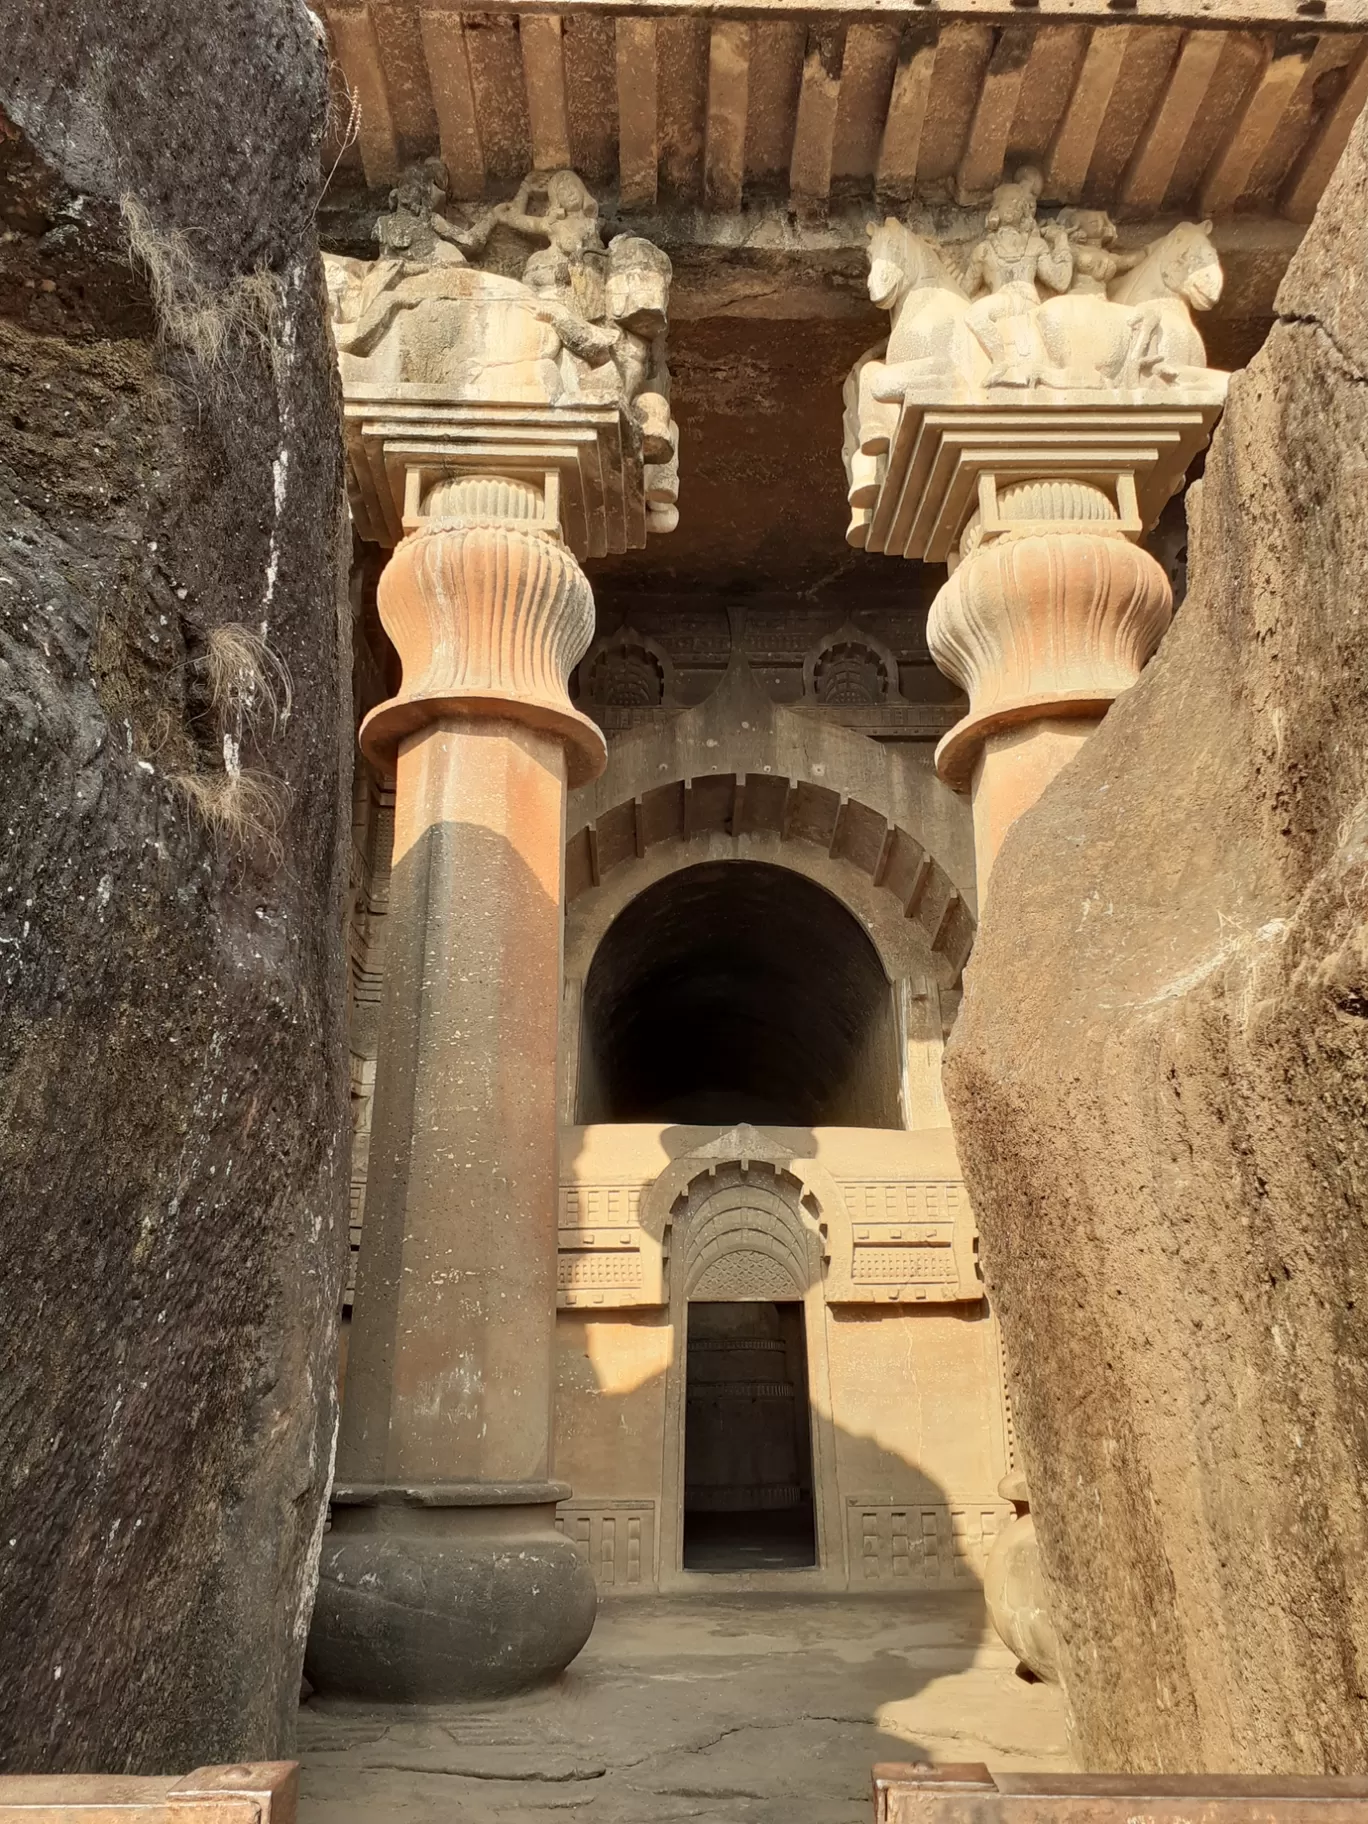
point(740, 1707)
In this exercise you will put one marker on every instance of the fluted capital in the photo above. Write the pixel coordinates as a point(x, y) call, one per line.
point(1043, 624)
point(490, 613)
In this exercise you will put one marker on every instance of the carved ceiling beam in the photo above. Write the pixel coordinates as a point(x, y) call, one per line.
point(1137, 109)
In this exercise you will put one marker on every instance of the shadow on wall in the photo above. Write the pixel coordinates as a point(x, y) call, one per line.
point(734, 1573)
point(870, 1435)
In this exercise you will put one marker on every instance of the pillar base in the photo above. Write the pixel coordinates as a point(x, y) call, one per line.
point(427, 1594)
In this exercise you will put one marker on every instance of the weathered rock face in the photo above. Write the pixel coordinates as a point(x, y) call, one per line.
point(172, 1090)
point(1158, 1086)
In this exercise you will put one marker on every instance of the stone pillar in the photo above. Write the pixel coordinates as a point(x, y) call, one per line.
point(1044, 625)
point(443, 1574)
point(1033, 409)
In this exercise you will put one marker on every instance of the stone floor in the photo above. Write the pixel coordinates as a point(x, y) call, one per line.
point(754, 1708)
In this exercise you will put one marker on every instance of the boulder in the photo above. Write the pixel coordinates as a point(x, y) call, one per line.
point(174, 746)
point(1158, 1085)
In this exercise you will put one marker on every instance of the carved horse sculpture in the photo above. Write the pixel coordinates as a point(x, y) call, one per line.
point(1142, 332)
point(1179, 274)
point(928, 342)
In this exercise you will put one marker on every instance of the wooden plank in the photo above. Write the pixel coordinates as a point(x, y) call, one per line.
point(1241, 63)
point(900, 148)
point(638, 147)
point(1326, 72)
point(1150, 60)
point(1322, 154)
point(962, 58)
point(985, 151)
point(358, 54)
point(1235, 15)
point(398, 35)
point(590, 52)
point(1057, 53)
point(543, 61)
point(1066, 169)
point(1156, 155)
point(867, 71)
point(724, 156)
point(454, 100)
point(1232, 168)
point(682, 91)
point(776, 76)
point(814, 133)
point(496, 81)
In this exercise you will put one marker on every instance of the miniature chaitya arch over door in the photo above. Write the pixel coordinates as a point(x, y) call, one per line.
point(743, 1231)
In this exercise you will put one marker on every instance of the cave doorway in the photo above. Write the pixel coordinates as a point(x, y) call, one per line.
point(738, 991)
point(748, 1482)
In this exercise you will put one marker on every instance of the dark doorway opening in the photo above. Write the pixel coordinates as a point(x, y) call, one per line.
point(738, 991)
point(747, 1439)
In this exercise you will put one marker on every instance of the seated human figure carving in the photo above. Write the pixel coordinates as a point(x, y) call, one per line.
point(581, 322)
point(1006, 269)
point(1125, 322)
point(1089, 342)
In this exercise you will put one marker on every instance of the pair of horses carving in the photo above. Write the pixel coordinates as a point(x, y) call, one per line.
point(1136, 334)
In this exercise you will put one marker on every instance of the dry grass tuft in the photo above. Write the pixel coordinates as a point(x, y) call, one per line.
point(204, 320)
point(243, 810)
point(342, 98)
point(249, 684)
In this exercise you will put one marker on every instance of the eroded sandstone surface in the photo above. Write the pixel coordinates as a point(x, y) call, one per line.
point(172, 1078)
point(1158, 1086)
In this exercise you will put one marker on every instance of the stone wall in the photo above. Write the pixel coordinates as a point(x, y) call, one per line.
point(1158, 1086)
point(172, 1058)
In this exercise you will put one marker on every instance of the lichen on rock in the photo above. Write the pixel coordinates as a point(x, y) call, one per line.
point(172, 1059)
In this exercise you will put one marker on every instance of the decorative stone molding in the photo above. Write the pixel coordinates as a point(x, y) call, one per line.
point(909, 1241)
point(616, 1539)
point(606, 1257)
point(921, 1545)
point(741, 1214)
point(489, 613)
point(745, 1234)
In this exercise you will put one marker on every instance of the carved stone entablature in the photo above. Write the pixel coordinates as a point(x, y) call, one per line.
point(509, 342)
point(745, 1214)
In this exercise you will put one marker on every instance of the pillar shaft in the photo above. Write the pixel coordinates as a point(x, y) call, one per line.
point(1013, 769)
point(443, 1575)
point(450, 1373)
